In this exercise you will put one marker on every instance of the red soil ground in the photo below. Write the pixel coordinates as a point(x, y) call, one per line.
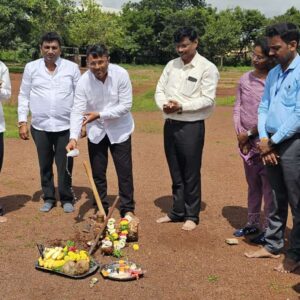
point(180, 265)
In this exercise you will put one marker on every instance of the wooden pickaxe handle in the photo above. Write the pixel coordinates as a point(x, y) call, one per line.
point(94, 188)
point(110, 212)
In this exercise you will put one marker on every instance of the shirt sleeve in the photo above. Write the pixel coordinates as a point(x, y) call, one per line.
point(5, 90)
point(263, 110)
point(237, 110)
point(209, 83)
point(24, 95)
point(160, 96)
point(76, 77)
point(125, 100)
point(78, 110)
point(289, 127)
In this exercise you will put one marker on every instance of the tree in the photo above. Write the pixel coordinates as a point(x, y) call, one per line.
point(252, 23)
point(292, 15)
point(148, 26)
point(14, 22)
point(90, 25)
point(222, 34)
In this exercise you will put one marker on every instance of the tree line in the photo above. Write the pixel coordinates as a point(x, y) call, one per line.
point(141, 33)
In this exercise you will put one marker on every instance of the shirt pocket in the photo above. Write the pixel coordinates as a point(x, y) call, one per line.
point(189, 85)
point(290, 94)
point(65, 86)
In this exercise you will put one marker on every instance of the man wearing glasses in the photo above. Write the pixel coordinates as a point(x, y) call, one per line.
point(103, 101)
point(186, 94)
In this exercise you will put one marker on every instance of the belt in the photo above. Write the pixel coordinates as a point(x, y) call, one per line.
point(171, 121)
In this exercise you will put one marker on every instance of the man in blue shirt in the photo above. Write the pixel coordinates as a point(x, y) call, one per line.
point(279, 132)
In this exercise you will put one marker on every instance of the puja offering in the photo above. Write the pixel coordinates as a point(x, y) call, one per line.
point(122, 271)
point(68, 261)
point(116, 237)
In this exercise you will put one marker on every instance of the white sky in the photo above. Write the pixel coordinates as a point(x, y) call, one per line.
point(268, 7)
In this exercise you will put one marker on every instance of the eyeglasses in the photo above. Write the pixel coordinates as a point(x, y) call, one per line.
point(258, 57)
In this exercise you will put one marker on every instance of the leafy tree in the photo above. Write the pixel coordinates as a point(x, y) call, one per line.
point(252, 23)
point(14, 22)
point(292, 15)
point(90, 25)
point(222, 35)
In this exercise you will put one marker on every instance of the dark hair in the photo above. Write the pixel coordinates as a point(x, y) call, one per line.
point(97, 51)
point(184, 32)
point(50, 37)
point(287, 31)
point(262, 42)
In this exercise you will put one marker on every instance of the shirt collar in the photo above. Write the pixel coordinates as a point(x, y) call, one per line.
point(57, 63)
point(295, 62)
point(109, 74)
point(193, 62)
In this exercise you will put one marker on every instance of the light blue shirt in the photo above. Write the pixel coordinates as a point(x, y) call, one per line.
point(279, 109)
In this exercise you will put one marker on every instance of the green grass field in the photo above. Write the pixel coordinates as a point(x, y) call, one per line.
point(144, 79)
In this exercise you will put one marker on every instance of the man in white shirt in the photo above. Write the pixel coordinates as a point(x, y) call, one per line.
point(47, 89)
point(103, 100)
point(186, 94)
point(5, 93)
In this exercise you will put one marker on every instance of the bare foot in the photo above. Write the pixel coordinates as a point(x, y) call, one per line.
point(164, 219)
point(3, 219)
point(287, 266)
point(189, 225)
point(261, 253)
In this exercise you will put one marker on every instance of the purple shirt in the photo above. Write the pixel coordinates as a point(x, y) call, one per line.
point(249, 93)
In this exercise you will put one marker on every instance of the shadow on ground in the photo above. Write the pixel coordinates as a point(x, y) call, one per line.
point(165, 204)
point(235, 215)
point(237, 218)
point(13, 202)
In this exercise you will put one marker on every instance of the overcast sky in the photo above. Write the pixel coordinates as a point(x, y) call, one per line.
point(268, 7)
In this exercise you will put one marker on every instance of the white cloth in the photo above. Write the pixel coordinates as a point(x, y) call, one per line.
point(49, 96)
point(192, 85)
point(112, 99)
point(5, 92)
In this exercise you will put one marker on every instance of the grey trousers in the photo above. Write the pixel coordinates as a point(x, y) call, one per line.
point(285, 181)
point(51, 147)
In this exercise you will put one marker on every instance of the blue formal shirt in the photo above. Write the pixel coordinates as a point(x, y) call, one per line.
point(279, 109)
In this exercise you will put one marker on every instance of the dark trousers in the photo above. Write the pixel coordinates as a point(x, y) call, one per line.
point(51, 146)
point(183, 142)
point(1, 150)
point(285, 181)
point(121, 154)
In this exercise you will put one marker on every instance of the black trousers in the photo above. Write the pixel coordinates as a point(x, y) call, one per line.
point(51, 146)
point(183, 142)
point(1, 149)
point(121, 154)
point(285, 182)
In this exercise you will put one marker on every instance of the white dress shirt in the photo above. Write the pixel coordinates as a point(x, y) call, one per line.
point(192, 85)
point(112, 99)
point(5, 91)
point(48, 95)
